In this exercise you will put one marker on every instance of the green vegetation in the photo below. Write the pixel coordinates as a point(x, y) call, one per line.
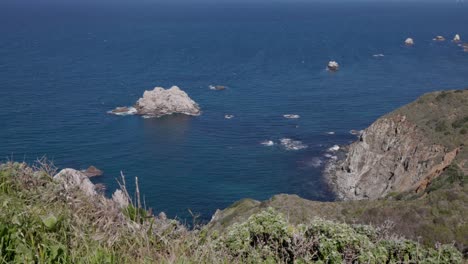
point(41, 222)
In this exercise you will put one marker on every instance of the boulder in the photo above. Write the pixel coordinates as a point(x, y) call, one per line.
point(72, 179)
point(92, 172)
point(159, 102)
point(217, 87)
point(456, 38)
point(409, 42)
point(333, 66)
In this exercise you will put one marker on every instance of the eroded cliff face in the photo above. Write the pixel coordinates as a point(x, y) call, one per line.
point(392, 155)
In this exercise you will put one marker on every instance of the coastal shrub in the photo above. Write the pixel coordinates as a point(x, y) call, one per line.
point(460, 122)
point(267, 235)
point(40, 222)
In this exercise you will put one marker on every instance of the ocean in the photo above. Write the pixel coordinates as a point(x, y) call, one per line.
point(63, 65)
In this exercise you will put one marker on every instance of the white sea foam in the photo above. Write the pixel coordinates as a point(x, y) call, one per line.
point(290, 144)
point(291, 116)
point(316, 162)
point(378, 55)
point(129, 111)
point(268, 143)
point(334, 148)
point(229, 116)
point(331, 133)
point(327, 155)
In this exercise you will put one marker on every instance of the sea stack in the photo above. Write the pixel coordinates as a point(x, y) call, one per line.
point(456, 38)
point(333, 66)
point(439, 38)
point(159, 102)
point(409, 42)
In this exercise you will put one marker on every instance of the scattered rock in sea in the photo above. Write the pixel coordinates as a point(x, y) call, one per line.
point(268, 143)
point(159, 102)
point(92, 172)
point(229, 116)
point(290, 144)
point(334, 148)
point(456, 38)
point(333, 66)
point(439, 38)
point(123, 111)
point(217, 87)
point(409, 42)
point(73, 179)
point(291, 116)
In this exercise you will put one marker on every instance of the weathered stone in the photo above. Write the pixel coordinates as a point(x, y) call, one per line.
point(409, 42)
point(73, 179)
point(160, 102)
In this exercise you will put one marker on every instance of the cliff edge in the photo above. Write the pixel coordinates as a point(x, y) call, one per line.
point(404, 151)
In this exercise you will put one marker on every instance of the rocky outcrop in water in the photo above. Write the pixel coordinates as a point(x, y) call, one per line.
point(92, 171)
point(439, 38)
point(409, 42)
point(160, 102)
point(396, 154)
point(333, 66)
point(456, 38)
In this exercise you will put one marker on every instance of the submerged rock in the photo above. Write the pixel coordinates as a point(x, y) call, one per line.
point(217, 87)
point(333, 66)
point(73, 179)
point(159, 102)
point(409, 42)
point(92, 172)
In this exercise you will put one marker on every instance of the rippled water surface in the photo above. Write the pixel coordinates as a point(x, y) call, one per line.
point(62, 66)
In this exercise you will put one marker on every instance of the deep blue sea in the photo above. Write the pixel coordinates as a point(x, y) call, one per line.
point(64, 65)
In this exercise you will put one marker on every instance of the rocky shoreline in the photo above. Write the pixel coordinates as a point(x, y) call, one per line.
point(395, 155)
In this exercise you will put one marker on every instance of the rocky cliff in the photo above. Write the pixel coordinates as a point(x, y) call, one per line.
point(406, 149)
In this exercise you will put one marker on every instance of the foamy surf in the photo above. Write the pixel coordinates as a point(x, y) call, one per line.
point(290, 144)
point(229, 116)
point(123, 111)
point(268, 143)
point(335, 148)
point(291, 116)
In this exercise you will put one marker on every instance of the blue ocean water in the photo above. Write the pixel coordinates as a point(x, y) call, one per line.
point(64, 65)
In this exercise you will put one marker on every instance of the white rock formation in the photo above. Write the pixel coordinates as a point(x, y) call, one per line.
point(160, 102)
point(409, 42)
point(333, 66)
point(71, 179)
point(439, 38)
point(457, 38)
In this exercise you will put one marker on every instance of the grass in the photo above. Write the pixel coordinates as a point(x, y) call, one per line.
point(43, 222)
